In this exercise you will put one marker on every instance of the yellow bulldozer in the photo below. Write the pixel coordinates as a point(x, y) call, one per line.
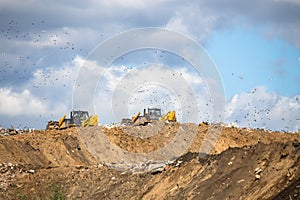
point(77, 119)
point(169, 116)
point(152, 115)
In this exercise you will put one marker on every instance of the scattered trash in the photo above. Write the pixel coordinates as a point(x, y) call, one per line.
point(258, 170)
point(240, 181)
point(257, 177)
point(232, 125)
point(257, 173)
point(13, 131)
point(150, 166)
point(110, 126)
point(9, 172)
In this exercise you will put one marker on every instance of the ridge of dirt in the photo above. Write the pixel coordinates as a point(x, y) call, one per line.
point(244, 164)
point(45, 149)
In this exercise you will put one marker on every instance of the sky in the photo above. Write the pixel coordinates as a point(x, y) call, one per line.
point(255, 46)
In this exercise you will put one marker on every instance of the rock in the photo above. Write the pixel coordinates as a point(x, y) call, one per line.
point(4, 170)
point(2, 187)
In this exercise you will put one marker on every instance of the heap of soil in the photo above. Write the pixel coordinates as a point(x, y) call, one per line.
point(244, 164)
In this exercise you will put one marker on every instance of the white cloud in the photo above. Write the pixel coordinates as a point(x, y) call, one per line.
point(137, 4)
point(288, 1)
point(262, 109)
point(256, 109)
point(47, 95)
point(85, 22)
point(55, 81)
point(176, 24)
point(277, 18)
point(24, 103)
point(194, 20)
point(199, 18)
point(54, 88)
point(124, 92)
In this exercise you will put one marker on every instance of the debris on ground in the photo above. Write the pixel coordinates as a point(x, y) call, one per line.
point(244, 164)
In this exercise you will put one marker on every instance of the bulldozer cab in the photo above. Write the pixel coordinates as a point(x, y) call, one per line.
point(79, 116)
point(154, 113)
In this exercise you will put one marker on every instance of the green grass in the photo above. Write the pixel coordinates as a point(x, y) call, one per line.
point(57, 193)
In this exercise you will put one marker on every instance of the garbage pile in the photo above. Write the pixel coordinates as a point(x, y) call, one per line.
point(150, 166)
point(13, 131)
point(9, 172)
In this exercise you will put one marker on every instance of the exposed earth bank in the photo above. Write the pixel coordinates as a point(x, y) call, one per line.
point(243, 164)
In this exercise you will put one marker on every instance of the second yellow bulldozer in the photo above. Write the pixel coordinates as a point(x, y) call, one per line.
point(152, 115)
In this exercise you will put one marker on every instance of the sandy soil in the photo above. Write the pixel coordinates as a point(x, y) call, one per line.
point(243, 164)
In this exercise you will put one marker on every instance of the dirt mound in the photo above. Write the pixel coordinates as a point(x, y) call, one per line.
point(244, 164)
point(256, 172)
point(45, 149)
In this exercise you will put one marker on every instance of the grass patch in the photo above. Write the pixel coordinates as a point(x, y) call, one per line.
point(57, 192)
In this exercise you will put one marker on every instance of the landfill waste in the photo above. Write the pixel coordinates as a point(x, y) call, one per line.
point(13, 131)
point(243, 164)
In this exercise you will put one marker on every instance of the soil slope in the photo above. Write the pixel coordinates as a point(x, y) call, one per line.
point(244, 164)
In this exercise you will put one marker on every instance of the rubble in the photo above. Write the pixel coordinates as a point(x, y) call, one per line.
point(13, 131)
point(149, 166)
point(32, 171)
point(9, 172)
point(243, 164)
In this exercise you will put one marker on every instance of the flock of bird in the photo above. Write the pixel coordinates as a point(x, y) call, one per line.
point(27, 48)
